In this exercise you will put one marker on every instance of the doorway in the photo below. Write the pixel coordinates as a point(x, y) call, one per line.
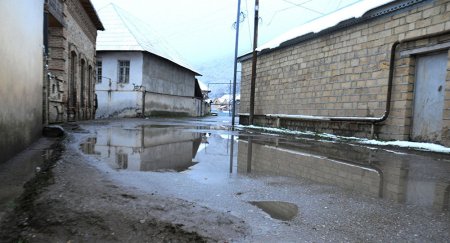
point(429, 97)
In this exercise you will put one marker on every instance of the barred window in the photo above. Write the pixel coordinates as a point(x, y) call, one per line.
point(124, 72)
point(99, 71)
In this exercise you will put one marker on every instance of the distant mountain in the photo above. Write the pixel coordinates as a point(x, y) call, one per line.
point(216, 71)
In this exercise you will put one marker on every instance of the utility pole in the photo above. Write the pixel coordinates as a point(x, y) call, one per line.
point(253, 78)
point(235, 64)
point(234, 84)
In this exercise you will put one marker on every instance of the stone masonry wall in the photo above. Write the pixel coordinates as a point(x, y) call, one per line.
point(345, 73)
point(78, 36)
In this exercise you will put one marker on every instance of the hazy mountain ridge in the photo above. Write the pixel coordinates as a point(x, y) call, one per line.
point(219, 71)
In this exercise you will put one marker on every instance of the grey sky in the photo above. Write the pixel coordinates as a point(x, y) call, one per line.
point(201, 30)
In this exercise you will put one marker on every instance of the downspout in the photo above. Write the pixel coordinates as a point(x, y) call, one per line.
point(388, 95)
point(143, 102)
point(372, 120)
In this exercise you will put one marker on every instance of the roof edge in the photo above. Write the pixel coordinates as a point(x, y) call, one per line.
point(144, 51)
point(90, 10)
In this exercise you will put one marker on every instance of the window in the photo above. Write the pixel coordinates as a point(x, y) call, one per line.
point(72, 80)
point(99, 71)
point(83, 82)
point(89, 94)
point(124, 72)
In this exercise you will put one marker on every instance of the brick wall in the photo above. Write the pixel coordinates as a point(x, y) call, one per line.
point(345, 72)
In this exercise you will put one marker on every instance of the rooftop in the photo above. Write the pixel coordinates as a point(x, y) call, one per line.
point(125, 32)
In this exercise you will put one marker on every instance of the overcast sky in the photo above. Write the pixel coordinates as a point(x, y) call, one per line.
point(202, 30)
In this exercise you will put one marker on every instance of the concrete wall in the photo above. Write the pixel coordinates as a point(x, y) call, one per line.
point(169, 88)
point(168, 105)
point(21, 74)
point(164, 77)
point(119, 99)
point(119, 104)
point(345, 73)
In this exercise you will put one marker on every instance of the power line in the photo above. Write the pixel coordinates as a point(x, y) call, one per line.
point(248, 23)
point(300, 5)
point(284, 9)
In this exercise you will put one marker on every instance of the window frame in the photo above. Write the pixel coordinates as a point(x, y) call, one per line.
point(99, 71)
point(123, 71)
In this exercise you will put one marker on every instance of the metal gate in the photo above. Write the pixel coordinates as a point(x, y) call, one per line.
point(429, 97)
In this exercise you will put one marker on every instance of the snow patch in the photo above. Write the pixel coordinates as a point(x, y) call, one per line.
point(404, 144)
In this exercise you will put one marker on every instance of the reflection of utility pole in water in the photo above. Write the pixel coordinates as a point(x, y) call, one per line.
point(231, 153)
point(249, 155)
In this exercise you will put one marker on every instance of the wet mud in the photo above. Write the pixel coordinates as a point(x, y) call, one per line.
point(71, 201)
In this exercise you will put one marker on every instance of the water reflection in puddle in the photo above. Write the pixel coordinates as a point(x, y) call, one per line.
point(145, 148)
point(421, 179)
point(278, 210)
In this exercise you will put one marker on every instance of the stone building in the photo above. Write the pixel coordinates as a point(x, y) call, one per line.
point(21, 74)
point(138, 74)
point(72, 31)
point(383, 73)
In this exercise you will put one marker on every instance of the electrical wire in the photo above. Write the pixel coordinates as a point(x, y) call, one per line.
point(300, 5)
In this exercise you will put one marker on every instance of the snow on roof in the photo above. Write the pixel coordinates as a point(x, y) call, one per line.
point(227, 97)
point(203, 86)
point(355, 10)
point(125, 32)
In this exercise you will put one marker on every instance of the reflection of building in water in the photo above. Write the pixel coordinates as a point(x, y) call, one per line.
point(147, 148)
point(89, 146)
point(405, 178)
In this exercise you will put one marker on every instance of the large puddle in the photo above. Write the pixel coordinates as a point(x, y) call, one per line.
point(414, 178)
point(146, 148)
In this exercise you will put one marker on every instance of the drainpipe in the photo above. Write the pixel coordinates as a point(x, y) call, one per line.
point(372, 120)
point(143, 101)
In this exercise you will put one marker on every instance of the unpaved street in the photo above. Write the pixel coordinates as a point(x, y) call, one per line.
point(173, 180)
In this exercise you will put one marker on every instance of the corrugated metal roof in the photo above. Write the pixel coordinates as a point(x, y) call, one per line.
point(125, 32)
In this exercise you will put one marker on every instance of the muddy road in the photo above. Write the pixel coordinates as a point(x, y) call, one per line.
point(195, 180)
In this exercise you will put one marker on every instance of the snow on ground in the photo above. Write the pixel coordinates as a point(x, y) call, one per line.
point(405, 144)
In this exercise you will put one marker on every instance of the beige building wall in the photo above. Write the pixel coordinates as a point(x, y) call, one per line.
point(345, 73)
point(21, 70)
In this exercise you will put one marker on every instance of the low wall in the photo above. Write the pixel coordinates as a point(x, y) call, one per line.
point(169, 105)
point(349, 129)
point(119, 104)
point(128, 103)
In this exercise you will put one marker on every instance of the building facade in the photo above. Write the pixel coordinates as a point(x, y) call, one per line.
point(138, 75)
point(384, 74)
point(69, 85)
point(21, 75)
